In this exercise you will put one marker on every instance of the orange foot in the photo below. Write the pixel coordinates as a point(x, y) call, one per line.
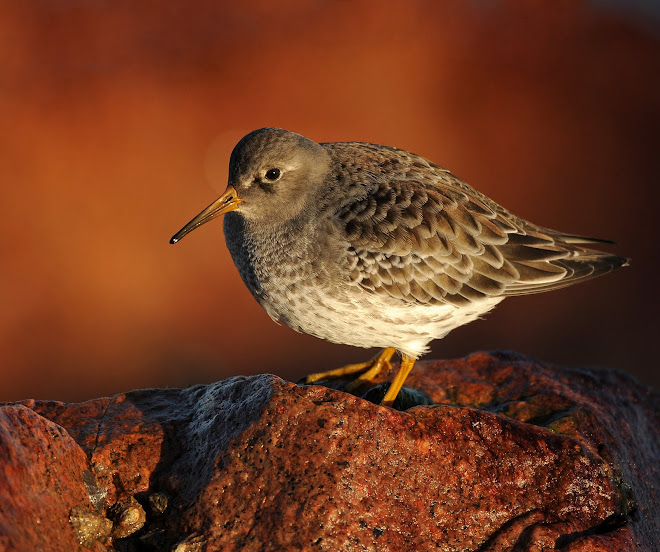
point(369, 370)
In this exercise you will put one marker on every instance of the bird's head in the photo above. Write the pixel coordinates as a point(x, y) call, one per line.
point(272, 174)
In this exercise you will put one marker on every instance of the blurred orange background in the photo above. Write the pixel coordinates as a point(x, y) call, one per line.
point(117, 123)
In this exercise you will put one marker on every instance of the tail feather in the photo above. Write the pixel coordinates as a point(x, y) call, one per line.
point(573, 238)
point(583, 265)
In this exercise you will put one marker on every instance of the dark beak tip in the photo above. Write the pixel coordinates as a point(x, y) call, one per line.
point(174, 240)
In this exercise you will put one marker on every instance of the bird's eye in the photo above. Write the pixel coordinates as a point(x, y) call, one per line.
point(273, 174)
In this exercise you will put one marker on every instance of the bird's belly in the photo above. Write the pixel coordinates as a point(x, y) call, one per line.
point(353, 316)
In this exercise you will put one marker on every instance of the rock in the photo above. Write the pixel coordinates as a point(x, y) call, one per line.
point(513, 455)
point(89, 526)
point(41, 483)
point(128, 516)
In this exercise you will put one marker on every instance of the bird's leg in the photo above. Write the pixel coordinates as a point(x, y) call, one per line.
point(371, 368)
point(375, 367)
point(397, 383)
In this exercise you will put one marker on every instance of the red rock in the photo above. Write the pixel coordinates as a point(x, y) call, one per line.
point(514, 455)
point(41, 479)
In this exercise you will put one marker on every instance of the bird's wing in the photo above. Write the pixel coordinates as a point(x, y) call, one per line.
point(434, 239)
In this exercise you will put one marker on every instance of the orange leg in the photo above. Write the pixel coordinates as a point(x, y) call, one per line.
point(377, 364)
point(370, 369)
point(406, 365)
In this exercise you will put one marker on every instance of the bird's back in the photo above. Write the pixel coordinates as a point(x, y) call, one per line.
point(420, 234)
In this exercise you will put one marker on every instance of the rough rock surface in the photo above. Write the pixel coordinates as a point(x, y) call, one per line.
point(514, 456)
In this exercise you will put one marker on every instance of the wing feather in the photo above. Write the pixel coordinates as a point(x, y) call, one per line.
point(419, 234)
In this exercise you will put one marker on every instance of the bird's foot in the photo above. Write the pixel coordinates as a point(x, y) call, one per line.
point(367, 370)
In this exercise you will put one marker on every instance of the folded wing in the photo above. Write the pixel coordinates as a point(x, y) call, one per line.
point(424, 236)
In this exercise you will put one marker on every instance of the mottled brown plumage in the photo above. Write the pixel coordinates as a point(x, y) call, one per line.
point(373, 246)
point(422, 235)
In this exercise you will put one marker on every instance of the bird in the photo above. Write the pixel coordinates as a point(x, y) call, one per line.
point(373, 246)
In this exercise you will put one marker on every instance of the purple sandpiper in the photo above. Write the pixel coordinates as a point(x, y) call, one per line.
point(373, 246)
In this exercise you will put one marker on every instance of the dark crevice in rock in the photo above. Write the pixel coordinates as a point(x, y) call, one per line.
point(610, 524)
point(546, 420)
point(98, 430)
point(506, 527)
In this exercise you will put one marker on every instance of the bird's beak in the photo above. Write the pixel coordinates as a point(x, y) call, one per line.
point(225, 203)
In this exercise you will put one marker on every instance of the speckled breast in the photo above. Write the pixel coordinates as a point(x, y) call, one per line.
point(285, 265)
